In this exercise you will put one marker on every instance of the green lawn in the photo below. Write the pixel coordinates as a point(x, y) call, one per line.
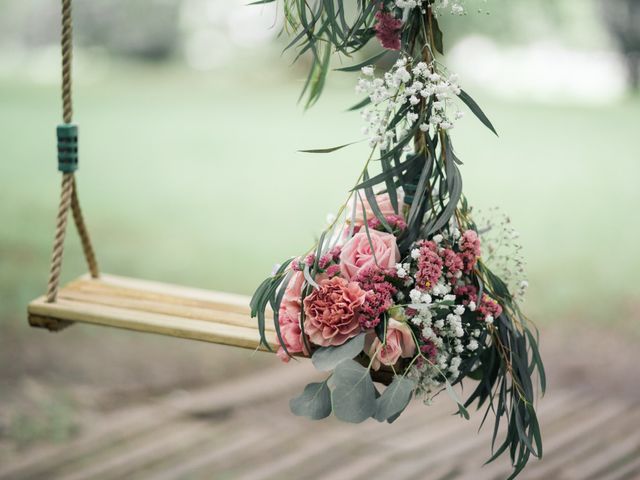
point(194, 178)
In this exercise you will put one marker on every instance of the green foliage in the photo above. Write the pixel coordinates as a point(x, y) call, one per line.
point(394, 399)
point(327, 358)
point(323, 25)
point(353, 396)
point(477, 111)
point(314, 402)
point(269, 293)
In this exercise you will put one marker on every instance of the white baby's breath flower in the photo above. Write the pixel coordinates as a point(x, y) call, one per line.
point(415, 295)
point(402, 84)
point(367, 71)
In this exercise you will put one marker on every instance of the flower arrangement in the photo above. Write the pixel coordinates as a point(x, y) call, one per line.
point(399, 290)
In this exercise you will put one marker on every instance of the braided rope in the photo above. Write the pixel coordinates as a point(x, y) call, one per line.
point(83, 232)
point(69, 191)
point(58, 242)
point(67, 57)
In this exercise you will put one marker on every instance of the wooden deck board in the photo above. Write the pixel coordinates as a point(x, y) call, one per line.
point(259, 439)
point(153, 307)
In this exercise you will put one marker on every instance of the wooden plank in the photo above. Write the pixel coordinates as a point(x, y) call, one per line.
point(144, 421)
point(155, 308)
point(160, 292)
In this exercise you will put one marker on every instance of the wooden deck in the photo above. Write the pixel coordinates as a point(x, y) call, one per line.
point(243, 430)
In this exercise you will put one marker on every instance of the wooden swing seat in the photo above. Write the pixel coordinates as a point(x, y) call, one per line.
point(153, 307)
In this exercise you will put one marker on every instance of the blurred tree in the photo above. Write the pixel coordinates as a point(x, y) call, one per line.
point(622, 18)
point(145, 29)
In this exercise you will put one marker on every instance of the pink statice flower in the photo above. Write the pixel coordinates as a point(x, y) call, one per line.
point(310, 259)
point(489, 308)
point(468, 294)
point(328, 258)
point(379, 295)
point(333, 270)
point(452, 262)
point(325, 260)
point(335, 252)
point(396, 222)
point(469, 250)
point(388, 30)
point(429, 265)
point(428, 349)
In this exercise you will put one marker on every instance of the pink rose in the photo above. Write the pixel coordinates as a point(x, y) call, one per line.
point(331, 311)
point(399, 344)
point(384, 204)
point(289, 317)
point(357, 253)
point(292, 338)
point(291, 304)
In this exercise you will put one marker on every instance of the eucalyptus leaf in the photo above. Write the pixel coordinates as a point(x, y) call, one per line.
point(353, 397)
point(437, 37)
point(327, 358)
point(394, 399)
point(477, 111)
point(461, 410)
point(314, 402)
point(367, 62)
point(362, 103)
point(328, 150)
point(381, 177)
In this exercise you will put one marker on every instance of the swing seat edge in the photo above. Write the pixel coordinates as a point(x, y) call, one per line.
point(152, 307)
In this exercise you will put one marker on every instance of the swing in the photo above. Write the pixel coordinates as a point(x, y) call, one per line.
point(120, 302)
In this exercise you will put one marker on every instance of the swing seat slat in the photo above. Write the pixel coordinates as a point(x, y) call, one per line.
point(153, 307)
